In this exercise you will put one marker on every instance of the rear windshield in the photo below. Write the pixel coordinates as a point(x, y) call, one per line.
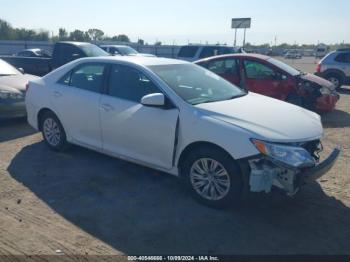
point(127, 50)
point(93, 50)
point(188, 51)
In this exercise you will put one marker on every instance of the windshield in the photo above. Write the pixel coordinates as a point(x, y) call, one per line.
point(195, 84)
point(93, 50)
point(126, 50)
point(42, 53)
point(7, 69)
point(290, 70)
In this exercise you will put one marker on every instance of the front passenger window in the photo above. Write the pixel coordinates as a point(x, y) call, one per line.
point(257, 70)
point(130, 84)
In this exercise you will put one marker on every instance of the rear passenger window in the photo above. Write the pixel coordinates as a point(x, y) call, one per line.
point(343, 58)
point(87, 77)
point(130, 84)
point(224, 66)
point(209, 51)
point(188, 51)
point(65, 80)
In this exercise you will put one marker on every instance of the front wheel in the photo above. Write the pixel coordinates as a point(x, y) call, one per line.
point(213, 177)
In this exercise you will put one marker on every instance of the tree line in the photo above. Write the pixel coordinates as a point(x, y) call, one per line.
point(7, 32)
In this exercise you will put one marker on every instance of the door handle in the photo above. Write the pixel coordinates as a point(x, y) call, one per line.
point(57, 94)
point(107, 107)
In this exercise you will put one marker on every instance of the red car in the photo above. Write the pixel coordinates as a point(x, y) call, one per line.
point(267, 76)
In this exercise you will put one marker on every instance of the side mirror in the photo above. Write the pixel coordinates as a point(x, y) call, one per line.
point(21, 70)
point(155, 99)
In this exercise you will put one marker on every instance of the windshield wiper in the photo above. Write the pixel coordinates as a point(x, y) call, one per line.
point(219, 100)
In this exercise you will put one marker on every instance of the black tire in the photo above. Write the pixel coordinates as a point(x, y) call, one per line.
point(236, 185)
point(295, 100)
point(59, 143)
point(336, 79)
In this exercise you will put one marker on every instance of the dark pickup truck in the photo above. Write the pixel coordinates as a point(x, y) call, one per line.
point(63, 52)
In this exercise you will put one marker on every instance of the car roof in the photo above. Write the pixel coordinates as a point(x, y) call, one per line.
point(115, 46)
point(343, 50)
point(203, 45)
point(140, 60)
point(74, 43)
point(243, 55)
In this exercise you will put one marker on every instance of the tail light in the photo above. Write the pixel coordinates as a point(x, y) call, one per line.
point(318, 68)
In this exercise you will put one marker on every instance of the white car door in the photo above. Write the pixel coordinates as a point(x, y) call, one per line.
point(132, 130)
point(76, 98)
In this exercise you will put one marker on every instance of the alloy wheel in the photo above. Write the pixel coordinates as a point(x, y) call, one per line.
point(210, 179)
point(51, 131)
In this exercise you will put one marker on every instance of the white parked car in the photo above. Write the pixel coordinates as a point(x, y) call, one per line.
point(182, 119)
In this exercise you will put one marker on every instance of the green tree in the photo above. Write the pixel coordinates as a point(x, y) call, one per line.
point(78, 35)
point(62, 34)
point(121, 38)
point(6, 30)
point(95, 34)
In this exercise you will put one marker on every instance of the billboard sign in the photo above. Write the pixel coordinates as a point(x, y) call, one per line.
point(241, 22)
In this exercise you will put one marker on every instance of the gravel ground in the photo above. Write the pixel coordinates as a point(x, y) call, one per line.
point(82, 202)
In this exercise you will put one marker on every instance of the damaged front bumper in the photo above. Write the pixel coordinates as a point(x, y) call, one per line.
point(266, 173)
point(322, 168)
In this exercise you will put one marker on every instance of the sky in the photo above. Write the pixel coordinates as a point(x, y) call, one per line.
point(194, 21)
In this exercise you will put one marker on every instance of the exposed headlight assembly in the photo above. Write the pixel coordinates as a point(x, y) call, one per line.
point(10, 95)
point(325, 91)
point(287, 156)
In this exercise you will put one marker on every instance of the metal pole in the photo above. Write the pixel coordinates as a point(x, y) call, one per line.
point(244, 37)
point(235, 37)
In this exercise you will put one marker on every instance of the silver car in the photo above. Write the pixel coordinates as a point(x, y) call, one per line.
point(335, 67)
point(12, 91)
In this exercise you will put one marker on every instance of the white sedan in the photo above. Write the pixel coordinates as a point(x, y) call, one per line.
point(182, 119)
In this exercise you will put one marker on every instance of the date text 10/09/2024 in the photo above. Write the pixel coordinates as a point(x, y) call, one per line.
point(173, 258)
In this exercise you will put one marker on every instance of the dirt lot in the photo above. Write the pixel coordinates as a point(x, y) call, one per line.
point(82, 202)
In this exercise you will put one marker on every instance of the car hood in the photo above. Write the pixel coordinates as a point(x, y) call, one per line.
point(143, 54)
point(266, 118)
point(318, 80)
point(16, 82)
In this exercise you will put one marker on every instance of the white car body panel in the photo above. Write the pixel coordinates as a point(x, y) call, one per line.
point(147, 135)
point(138, 132)
point(78, 111)
point(258, 114)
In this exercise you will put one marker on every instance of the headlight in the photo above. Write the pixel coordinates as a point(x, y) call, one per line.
point(325, 91)
point(10, 95)
point(288, 156)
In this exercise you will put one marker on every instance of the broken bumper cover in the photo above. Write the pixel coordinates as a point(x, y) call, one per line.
point(322, 168)
point(266, 173)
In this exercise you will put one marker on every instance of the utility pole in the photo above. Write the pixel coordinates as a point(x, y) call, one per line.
point(245, 29)
point(235, 44)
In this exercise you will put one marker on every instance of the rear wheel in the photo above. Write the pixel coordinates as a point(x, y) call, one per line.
point(335, 79)
point(213, 177)
point(53, 132)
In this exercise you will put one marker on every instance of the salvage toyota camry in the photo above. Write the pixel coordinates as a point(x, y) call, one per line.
point(182, 119)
